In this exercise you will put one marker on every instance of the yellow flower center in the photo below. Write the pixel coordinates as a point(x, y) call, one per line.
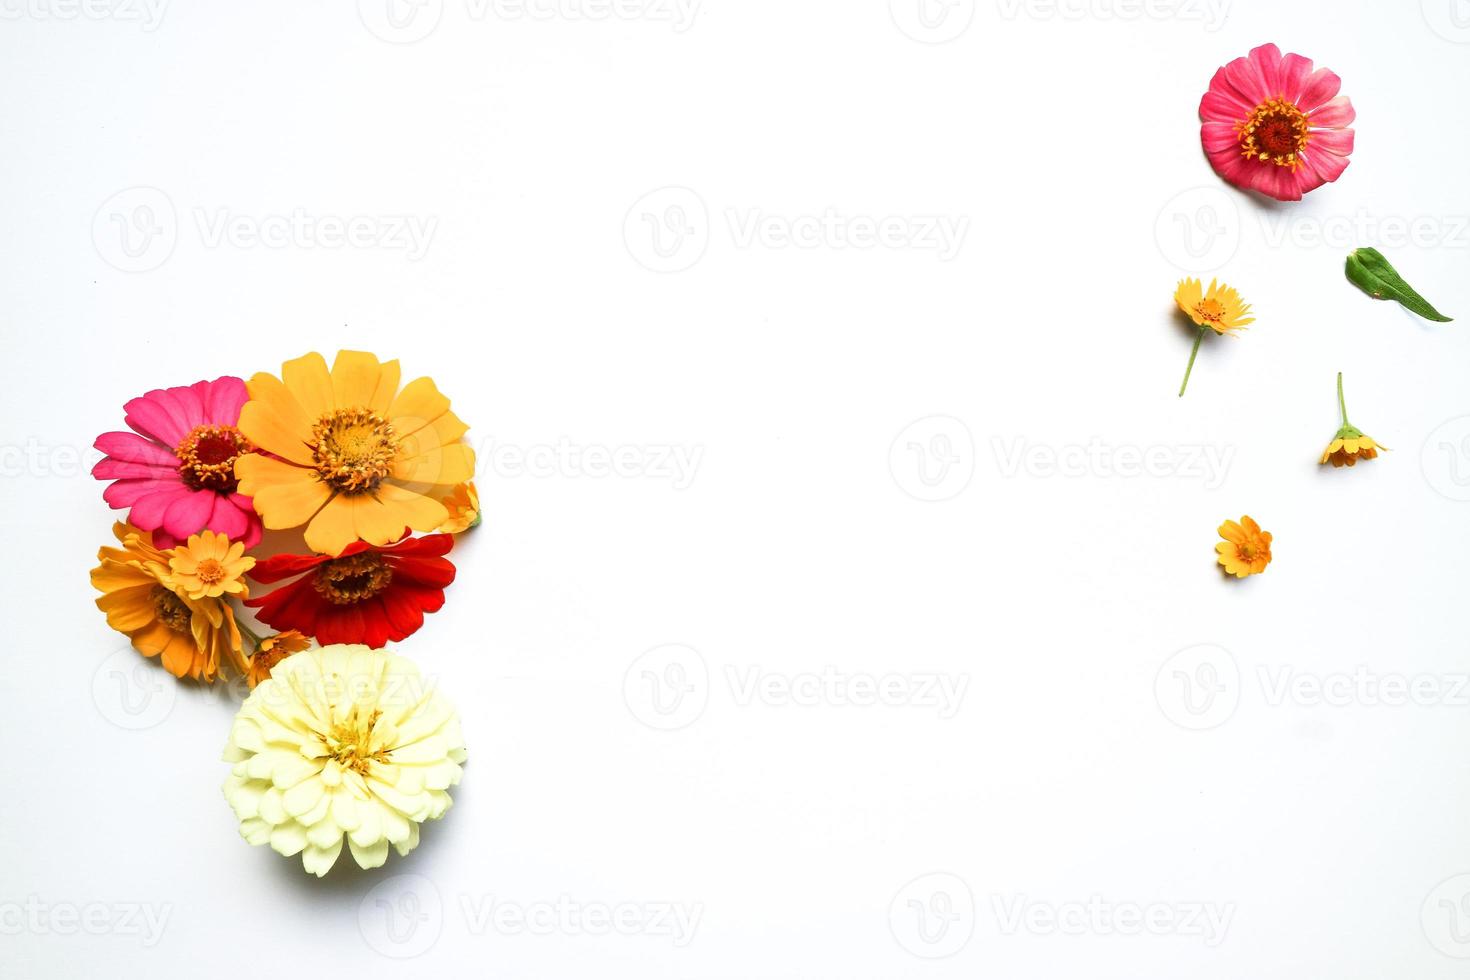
point(350, 742)
point(207, 457)
point(1248, 552)
point(210, 572)
point(353, 449)
point(343, 581)
point(170, 609)
point(1276, 132)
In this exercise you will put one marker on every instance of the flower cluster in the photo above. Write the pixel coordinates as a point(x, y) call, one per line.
point(343, 465)
point(1275, 124)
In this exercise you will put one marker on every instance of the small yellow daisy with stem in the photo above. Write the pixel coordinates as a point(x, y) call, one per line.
point(1349, 445)
point(1218, 308)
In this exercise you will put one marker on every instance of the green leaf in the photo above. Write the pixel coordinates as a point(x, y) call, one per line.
point(1373, 274)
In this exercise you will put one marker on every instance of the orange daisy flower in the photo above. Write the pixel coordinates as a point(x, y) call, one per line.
point(194, 637)
point(351, 457)
point(271, 651)
point(1246, 549)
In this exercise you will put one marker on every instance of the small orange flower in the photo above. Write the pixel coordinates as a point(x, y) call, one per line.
point(208, 566)
point(1349, 445)
point(463, 504)
point(1219, 308)
point(1246, 549)
point(271, 651)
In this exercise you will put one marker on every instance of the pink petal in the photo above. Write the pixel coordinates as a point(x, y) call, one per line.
point(156, 416)
point(127, 493)
point(149, 509)
point(1266, 59)
point(1222, 103)
point(1320, 86)
point(163, 540)
point(1339, 141)
point(1326, 166)
point(117, 469)
point(1294, 72)
point(190, 405)
point(188, 514)
point(1335, 114)
point(1246, 79)
point(225, 519)
point(223, 400)
point(133, 448)
point(243, 502)
point(1219, 137)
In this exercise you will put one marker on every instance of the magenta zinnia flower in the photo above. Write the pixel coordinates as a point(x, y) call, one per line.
point(176, 469)
point(1274, 125)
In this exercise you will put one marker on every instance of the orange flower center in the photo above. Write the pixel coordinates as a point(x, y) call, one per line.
point(207, 457)
point(353, 449)
point(265, 659)
point(210, 572)
point(170, 609)
point(1276, 132)
point(344, 581)
point(1247, 551)
point(1211, 310)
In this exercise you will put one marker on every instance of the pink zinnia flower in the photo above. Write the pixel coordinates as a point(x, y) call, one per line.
point(1274, 125)
point(176, 469)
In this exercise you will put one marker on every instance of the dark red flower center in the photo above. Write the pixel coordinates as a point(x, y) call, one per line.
point(207, 457)
point(1276, 132)
point(353, 578)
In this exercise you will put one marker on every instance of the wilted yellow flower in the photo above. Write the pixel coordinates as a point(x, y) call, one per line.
point(1349, 445)
point(342, 742)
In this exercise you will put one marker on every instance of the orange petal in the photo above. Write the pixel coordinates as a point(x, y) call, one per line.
point(416, 406)
point(332, 528)
point(307, 379)
point(284, 495)
point(359, 380)
point(439, 467)
point(275, 421)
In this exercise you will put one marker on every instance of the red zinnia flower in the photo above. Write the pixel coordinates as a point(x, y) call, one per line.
point(368, 594)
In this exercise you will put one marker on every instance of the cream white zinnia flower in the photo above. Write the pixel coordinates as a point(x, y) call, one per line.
point(342, 741)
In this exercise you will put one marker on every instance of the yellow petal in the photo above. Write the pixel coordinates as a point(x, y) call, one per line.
point(360, 381)
point(307, 379)
point(275, 421)
point(284, 495)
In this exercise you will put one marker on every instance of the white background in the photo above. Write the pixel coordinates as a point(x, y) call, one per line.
point(1074, 770)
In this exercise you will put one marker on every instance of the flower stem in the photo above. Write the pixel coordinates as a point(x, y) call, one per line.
point(1340, 402)
point(1192, 354)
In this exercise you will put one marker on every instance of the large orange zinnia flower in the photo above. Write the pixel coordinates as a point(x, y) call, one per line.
point(351, 456)
point(143, 598)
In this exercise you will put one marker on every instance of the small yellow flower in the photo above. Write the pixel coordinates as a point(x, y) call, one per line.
point(208, 566)
point(1349, 445)
point(1218, 308)
point(463, 504)
point(271, 651)
point(1246, 549)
